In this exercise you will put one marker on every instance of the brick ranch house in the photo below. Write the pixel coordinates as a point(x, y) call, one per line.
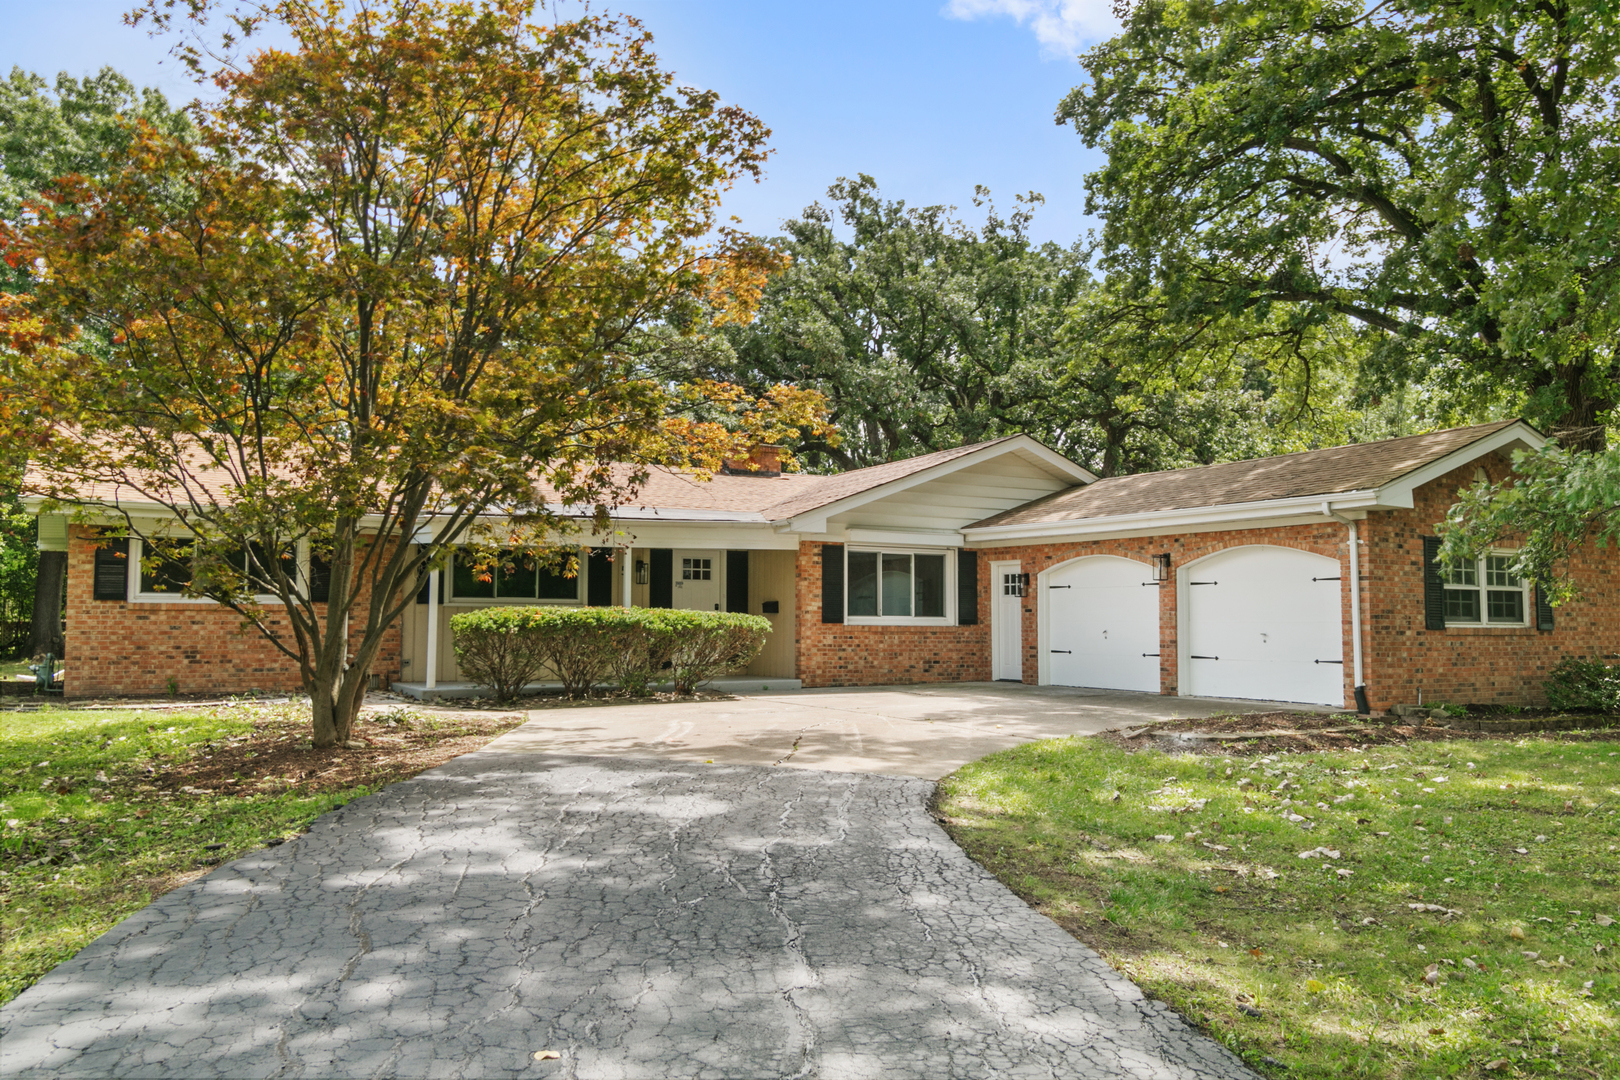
point(1001, 560)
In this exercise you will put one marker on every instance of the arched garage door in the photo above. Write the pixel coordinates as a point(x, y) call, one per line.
point(1102, 625)
point(1264, 623)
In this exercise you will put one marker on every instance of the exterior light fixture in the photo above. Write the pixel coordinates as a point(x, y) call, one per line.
point(641, 571)
point(1161, 567)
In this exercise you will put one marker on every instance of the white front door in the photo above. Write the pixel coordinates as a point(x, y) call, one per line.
point(1266, 623)
point(697, 581)
point(1102, 624)
point(1006, 622)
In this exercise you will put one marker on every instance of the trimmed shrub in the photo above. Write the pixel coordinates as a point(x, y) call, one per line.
point(499, 647)
point(713, 643)
point(1584, 684)
point(506, 647)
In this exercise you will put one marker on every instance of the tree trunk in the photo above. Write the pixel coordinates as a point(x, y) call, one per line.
point(45, 633)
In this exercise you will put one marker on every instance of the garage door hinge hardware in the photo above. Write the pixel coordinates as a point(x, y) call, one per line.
point(1326, 579)
point(1329, 661)
point(1203, 583)
point(1155, 584)
point(1150, 654)
point(1195, 656)
point(1068, 651)
point(1049, 587)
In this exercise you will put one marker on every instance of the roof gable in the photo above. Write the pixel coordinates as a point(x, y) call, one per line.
point(1360, 467)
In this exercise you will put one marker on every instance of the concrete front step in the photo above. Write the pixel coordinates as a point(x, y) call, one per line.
point(731, 684)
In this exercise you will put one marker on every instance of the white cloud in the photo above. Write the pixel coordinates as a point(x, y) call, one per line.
point(1062, 27)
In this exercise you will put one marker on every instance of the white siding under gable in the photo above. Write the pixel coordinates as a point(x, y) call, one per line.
point(960, 498)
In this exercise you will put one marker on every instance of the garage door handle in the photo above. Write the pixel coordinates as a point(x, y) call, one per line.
point(1150, 654)
point(1068, 651)
point(1329, 661)
point(1197, 657)
point(1204, 583)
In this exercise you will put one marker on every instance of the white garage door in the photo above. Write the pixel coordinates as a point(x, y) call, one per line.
point(1102, 625)
point(1264, 623)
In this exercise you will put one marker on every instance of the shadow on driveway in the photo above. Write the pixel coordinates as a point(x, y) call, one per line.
point(642, 918)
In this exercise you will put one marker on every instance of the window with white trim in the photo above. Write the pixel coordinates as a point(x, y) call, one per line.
point(897, 587)
point(1486, 592)
point(165, 575)
point(514, 577)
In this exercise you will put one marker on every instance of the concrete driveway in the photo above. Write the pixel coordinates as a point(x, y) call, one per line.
point(922, 731)
point(637, 918)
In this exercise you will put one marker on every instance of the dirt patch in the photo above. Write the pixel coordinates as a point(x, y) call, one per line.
point(552, 700)
point(1248, 734)
point(277, 755)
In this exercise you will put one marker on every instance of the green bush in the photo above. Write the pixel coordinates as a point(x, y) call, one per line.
point(1584, 684)
point(499, 647)
point(714, 643)
point(505, 647)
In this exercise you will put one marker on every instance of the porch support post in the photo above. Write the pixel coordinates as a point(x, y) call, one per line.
point(433, 631)
point(627, 575)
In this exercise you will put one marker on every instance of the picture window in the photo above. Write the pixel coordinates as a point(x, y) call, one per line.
point(896, 585)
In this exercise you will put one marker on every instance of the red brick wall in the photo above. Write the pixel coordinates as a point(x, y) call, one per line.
point(1457, 665)
point(117, 648)
point(842, 655)
point(1460, 665)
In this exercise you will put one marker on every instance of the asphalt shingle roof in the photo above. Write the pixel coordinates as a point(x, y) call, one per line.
point(1334, 470)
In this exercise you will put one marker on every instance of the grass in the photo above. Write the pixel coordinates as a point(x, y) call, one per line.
point(1184, 871)
point(10, 668)
point(104, 810)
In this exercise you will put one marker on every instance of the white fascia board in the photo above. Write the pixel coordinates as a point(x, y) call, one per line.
point(815, 521)
point(1399, 493)
point(1272, 512)
point(700, 535)
point(906, 537)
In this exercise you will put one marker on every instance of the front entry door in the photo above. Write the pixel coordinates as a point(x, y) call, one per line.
point(697, 580)
point(1006, 622)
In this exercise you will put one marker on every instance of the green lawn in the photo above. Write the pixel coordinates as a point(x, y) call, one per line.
point(1185, 872)
point(10, 668)
point(86, 841)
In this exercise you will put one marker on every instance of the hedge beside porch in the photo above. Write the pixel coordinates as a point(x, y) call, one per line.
point(506, 648)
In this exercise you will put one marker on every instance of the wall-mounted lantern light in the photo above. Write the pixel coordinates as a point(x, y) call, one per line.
point(641, 571)
point(1161, 567)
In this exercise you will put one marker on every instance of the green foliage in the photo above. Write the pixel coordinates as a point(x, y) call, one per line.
point(1194, 887)
point(498, 647)
point(1557, 503)
point(1443, 175)
point(1584, 684)
point(19, 561)
point(925, 333)
point(505, 648)
point(79, 854)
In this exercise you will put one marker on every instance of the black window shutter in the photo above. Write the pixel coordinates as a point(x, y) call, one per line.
point(599, 577)
point(737, 581)
point(320, 579)
point(1544, 613)
point(967, 588)
point(422, 593)
point(112, 571)
point(661, 589)
point(1434, 590)
point(832, 583)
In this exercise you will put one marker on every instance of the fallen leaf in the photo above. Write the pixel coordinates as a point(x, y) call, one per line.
point(1603, 920)
point(546, 1055)
point(1164, 838)
point(1315, 986)
point(1437, 1031)
point(1257, 953)
point(1516, 933)
point(1499, 1063)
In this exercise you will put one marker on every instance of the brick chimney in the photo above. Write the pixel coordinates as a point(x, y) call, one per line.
point(762, 460)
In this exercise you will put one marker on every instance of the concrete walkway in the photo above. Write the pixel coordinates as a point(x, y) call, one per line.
point(637, 917)
point(922, 731)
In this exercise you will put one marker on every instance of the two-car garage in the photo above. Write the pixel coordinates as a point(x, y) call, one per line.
point(1256, 622)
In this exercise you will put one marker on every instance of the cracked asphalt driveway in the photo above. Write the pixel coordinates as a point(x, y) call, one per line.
point(638, 917)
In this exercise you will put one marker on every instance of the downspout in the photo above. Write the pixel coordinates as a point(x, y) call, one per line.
point(1359, 683)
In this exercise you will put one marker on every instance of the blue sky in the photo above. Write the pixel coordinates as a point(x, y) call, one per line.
point(929, 97)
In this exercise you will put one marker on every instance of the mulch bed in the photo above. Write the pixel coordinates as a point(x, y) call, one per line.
point(1296, 732)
